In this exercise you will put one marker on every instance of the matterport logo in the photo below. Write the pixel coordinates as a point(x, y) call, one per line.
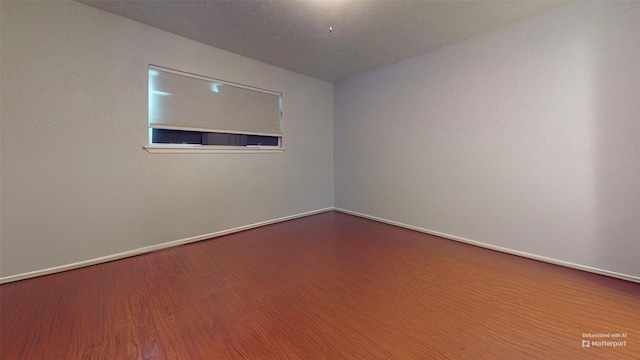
point(604, 340)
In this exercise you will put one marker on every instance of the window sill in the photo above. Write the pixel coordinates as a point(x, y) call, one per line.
point(204, 149)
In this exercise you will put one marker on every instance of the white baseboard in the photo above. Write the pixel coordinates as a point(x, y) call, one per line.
point(169, 244)
point(497, 248)
point(150, 248)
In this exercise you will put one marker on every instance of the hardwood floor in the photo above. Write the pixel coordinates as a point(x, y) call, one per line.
point(328, 286)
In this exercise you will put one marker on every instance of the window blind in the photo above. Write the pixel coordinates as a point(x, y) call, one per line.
point(180, 101)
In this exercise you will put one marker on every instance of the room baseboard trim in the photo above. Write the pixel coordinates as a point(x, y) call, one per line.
point(146, 249)
point(496, 248)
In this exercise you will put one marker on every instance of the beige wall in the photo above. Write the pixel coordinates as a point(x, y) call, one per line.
point(76, 181)
point(526, 138)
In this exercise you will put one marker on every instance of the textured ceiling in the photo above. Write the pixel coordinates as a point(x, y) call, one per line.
point(295, 34)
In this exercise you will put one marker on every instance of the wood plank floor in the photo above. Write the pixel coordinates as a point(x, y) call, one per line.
point(328, 286)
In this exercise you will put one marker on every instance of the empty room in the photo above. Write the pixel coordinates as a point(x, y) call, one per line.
point(319, 179)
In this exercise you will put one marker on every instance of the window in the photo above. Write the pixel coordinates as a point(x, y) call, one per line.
point(192, 113)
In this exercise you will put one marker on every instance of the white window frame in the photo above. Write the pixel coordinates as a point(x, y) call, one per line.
point(168, 148)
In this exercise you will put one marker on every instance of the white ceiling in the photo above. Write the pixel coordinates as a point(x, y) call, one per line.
point(294, 35)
